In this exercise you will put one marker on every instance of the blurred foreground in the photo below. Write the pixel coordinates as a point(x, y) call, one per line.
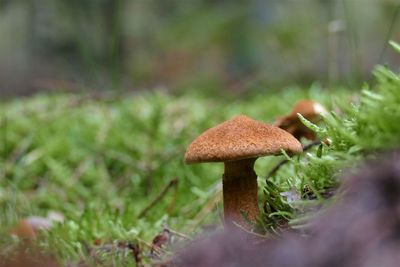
point(361, 229)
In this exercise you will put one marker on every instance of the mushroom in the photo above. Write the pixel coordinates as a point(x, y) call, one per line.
point(29, 227)
point(238, 142)
point(291, 123)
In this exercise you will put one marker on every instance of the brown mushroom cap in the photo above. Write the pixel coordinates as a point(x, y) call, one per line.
point(307, 108)
point(240, 138)
point(291, 123)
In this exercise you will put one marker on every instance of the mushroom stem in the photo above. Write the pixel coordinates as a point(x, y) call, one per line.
point(240, 191)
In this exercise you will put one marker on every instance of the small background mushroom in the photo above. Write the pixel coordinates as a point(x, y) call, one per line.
point(291, 123)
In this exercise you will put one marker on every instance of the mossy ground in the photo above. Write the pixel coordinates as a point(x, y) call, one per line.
point(102, 161)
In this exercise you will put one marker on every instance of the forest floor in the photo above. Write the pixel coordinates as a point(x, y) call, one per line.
point(111, 168)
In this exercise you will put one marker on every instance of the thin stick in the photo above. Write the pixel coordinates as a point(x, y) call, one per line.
point(179, 234)
point(92, 253)
point(4, 132)
point(172, 183)
point(283, 162)
point(389, 33)
point(353, 41)
point(173, 201)
point(155, 249)
point(209, 206)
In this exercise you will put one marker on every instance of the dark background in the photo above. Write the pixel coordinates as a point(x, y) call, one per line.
point(180, 45)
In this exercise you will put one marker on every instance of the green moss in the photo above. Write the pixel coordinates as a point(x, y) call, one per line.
point(100, 162)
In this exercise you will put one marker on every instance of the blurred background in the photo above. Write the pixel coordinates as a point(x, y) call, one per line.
point(178, 45)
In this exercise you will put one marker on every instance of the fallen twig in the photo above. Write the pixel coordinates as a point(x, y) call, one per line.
point(136, 252)
point(92, 253)
point(209, 205)
point(181, 235)
point(171, 205)
point(172, 183)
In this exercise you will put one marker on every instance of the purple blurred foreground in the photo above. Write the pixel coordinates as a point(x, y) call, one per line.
point(362, 229)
